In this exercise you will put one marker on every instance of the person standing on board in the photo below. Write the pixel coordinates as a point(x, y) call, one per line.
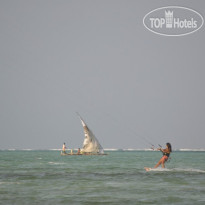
point(166, 152)
point(63, 148)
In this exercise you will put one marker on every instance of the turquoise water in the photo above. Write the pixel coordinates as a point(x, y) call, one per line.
point(45, 177)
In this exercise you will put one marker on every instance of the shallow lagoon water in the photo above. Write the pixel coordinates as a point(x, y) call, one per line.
point(46, 177)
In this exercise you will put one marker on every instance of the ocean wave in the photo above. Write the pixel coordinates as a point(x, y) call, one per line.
point(190, 170)
point(191, 150)
point(127, 149)
point(56, 163)
point(9, 183)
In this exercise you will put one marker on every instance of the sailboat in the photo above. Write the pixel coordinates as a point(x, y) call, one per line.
point(91, 145)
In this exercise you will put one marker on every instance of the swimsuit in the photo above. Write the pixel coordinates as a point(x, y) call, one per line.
point(165, 156)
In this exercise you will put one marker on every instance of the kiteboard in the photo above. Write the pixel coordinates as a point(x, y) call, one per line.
point(147, 169)
point(159, 169)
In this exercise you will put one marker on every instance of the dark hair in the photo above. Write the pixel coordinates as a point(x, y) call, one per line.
point(169, 146)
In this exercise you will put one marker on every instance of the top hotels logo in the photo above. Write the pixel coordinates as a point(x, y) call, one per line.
point(169, 18)
point(173, 21)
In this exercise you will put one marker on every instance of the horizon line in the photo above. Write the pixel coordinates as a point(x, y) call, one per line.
point(106, 149)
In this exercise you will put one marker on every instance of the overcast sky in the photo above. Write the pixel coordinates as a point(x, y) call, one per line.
point(131, 86)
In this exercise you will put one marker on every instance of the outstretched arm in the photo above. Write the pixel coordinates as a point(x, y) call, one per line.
point(162, 150)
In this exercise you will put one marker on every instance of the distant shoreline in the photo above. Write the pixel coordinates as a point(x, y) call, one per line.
point(108, 149)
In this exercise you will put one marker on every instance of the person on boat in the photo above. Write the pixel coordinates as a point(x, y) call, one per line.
point(166, 153)
point(63, 148)
point(79, 152)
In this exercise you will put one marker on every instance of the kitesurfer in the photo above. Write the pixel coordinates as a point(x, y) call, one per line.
point(63, 148)
point(166, 153)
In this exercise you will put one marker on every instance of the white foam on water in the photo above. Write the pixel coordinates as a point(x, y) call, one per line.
point(159, 169)
point(188, 170)
point(9, 183)
point(177, 170)
point(56, 163)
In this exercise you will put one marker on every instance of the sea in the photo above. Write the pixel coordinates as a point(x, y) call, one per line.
point(45, 177)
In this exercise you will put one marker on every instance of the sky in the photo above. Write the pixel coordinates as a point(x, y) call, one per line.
point(132, 87)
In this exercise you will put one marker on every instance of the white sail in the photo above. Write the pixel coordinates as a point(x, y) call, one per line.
point(90, 144)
